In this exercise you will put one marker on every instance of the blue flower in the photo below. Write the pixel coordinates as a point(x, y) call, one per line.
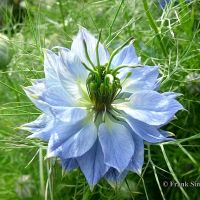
point(98, 109)
point(163, 3)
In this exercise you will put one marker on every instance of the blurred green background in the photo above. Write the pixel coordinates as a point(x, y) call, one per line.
point(169, 38)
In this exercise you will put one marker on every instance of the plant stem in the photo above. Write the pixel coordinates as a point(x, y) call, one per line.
point(12, 86)
point(154, 27)
point(41, 171)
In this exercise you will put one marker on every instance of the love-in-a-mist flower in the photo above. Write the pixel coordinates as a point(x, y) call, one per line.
point(163, 3)
point(98, 109)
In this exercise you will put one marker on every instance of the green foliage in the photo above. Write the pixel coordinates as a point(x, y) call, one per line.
point(168, 38)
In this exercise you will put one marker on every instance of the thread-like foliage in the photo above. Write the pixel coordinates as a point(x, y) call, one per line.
point(168, 37)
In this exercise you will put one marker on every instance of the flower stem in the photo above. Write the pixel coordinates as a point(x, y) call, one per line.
point(41, 171)
point(129, 189)
point(154, 27)
point(12, 85)
point(111, 26)
point(62, 15)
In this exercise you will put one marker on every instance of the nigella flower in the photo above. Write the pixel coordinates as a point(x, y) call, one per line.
point(163, 3)
point(98, 109)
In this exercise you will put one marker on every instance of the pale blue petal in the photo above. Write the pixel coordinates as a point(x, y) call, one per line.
point(45, 125)
point(51, 64)
point(61, 133)
point(146, 132)
point(74, 144)
point(137, 160)
point(57, 96)
point(48, 99)
point(158, 84)
point(91, 42)
point(150, 107)
point(69, 114)
point(142, 78)
point(171, 95)
point(167, 134)
point(41, 127)
point(163, 3)
point(69, 164)
point(92, 164)
point(50, 91)
point(127, 56)
point(117, 144)
point(35, 93)
point(81, 142)
point(59, 81)
point(72, 85)
point(73, 64)
point(36, 81)
point(114, 177)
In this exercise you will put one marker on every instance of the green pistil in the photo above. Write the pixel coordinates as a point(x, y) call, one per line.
point(102, 83)
point(117, 50)
point(102, 89)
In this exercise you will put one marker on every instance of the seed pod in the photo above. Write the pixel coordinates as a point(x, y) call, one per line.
point(5, 52)
point(24, 186)
point(193, 83)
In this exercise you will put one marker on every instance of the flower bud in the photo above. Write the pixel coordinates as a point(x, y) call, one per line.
point(5, 52)
point(193, 83)
point(24, 186)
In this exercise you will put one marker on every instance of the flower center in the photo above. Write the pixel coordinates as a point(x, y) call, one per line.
point(102, 88)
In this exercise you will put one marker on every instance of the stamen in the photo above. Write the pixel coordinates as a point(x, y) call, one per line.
point(86, 53)
point(124, 66)
point(87, 67)
point(97, 49)
point(117, 50)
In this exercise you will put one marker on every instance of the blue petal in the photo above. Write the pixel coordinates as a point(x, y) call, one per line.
point(72, 141)
point(117, 144)
point(49, 100)
point(41, 127)
point(57, 96)
point(73, 64)
point(127, 56)
point(171, 95)
point(146, 132)
point(51, 64)
point(46, 125)
point(167, 134)
point(137, 160)
point(37, 81)
point(91, 42)
point(59, 136)
point(35, 93)
point(92, 164)
point(69, 115)
point(142, 78)
point(69, 164)
point(49, 91)
point(150, 107)
point(114, 177)
point(60, 83)
point(163, 3)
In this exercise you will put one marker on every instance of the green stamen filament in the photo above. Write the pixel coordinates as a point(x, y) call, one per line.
point(117, 50)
